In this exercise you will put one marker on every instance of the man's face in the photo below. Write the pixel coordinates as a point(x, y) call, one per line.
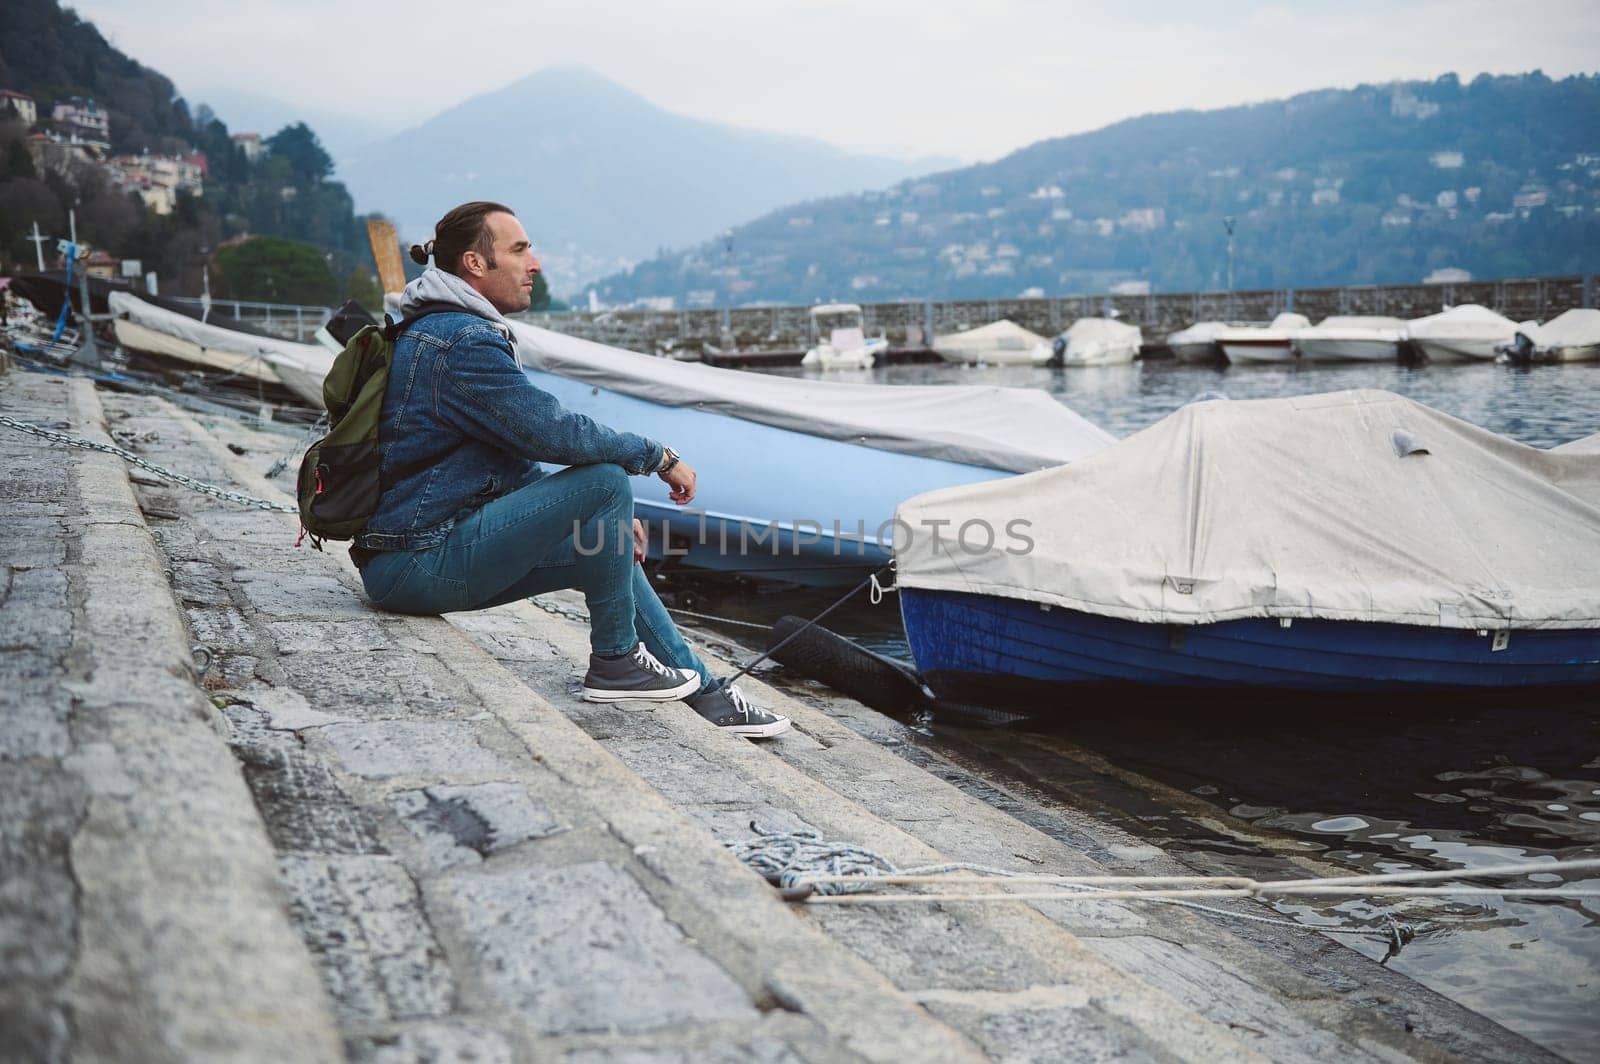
point(509, 284)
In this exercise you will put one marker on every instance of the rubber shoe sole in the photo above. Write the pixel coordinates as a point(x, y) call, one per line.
point(664, 694)
point(758, 731)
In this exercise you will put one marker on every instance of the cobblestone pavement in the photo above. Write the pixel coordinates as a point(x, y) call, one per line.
point(476, 865)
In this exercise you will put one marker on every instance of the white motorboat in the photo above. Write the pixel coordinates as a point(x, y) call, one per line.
point(1464, 333)
point(1271, 343)
point(1573, 336)
point(846, 346)
point(1000, 343)
point(1351, 339)
point(1197, 343)
point(1098, 342)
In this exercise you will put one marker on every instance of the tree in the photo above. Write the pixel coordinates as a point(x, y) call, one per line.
point(362, 287)
point(541, 293)
point(297, 145)
point(275, 271)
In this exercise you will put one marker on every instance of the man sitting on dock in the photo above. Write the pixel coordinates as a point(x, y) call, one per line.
point(467, 518)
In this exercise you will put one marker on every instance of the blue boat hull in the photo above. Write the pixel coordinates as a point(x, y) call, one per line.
point(1006, 651)
point(776, 504)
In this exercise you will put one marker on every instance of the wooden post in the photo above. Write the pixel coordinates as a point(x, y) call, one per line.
point(385, 245)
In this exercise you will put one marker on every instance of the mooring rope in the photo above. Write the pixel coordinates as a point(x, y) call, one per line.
point(719, 620)
point(815, 871)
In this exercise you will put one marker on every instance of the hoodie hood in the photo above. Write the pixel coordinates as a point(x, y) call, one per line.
point(435, 286)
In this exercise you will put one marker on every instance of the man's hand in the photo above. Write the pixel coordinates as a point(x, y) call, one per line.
point(680, 478)
point(639, 541)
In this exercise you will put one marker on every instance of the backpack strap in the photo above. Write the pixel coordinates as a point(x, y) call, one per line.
point(392, 329)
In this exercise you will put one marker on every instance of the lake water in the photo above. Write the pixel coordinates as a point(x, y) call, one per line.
point(1542, 405)
point(1377, 788)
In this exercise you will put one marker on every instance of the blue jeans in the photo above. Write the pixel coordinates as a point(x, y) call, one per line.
point(572, 529)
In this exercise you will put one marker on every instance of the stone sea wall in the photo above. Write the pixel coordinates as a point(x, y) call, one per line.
point(908, 324)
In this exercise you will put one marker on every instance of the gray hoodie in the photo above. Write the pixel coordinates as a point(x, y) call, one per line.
point(437, 286)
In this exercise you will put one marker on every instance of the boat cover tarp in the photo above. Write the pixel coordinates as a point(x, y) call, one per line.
point(301, 366)
point(1002, 335)
point(1016, 429)
point(1291, 508)
point(1574, 328)
point(1469, 321)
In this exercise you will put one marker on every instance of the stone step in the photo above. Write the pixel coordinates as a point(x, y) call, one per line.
point(472, 873)
point(141, 912)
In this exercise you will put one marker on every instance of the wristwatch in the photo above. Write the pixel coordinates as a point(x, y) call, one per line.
point(669, 459)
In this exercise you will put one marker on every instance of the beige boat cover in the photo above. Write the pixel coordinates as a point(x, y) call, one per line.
point(301, 366)
point(1016, 429)
point(1298, 507)
point(1002, 335)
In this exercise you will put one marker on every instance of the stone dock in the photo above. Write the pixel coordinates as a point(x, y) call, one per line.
point(356, 836)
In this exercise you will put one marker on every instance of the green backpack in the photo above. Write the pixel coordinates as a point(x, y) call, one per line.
point(340, 483)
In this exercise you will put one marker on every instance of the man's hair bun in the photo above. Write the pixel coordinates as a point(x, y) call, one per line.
point(420, 253)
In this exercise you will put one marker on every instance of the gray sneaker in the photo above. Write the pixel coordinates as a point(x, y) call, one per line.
point(726, 707)
point(636, 675)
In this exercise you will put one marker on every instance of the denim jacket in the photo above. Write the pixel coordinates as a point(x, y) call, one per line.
point(457, 395)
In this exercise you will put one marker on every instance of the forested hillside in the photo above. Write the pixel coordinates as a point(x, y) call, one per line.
point(288, 191)
point(1377, 184)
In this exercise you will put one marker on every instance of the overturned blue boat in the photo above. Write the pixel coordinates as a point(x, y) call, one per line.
point(1350, 542)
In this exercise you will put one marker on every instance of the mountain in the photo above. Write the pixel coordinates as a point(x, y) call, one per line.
point(252, 112)
point(599, 175)
point(1372, 185)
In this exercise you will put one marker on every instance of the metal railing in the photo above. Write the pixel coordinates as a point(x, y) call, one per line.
point(289, 320)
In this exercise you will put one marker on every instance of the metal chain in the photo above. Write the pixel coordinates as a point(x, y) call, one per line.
point(318, 427)
point(161, 471)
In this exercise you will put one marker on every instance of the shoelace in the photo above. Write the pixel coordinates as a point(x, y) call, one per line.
point(646, 660)
point(736, 696)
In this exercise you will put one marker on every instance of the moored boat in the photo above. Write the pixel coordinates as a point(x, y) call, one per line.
point(846, 345)
point(1464, 333)
point(146, 328)
point(799, 478)
point(1098, 342)
point(1000, 343)
point(1351, 339)
point(1573, 336)
point(1270, 343)
point(1197, 343)
point(1355, 541)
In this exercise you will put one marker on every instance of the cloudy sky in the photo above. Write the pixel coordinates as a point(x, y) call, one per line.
point(913, 77)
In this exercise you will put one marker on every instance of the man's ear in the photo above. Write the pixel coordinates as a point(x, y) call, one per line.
point(472, 262)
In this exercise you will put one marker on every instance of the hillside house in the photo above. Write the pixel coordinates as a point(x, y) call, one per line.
point(159, 179)
point(250, 144)
point(102, 264)
point(1530, 197)
point(20, 104)
point(84, 119)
